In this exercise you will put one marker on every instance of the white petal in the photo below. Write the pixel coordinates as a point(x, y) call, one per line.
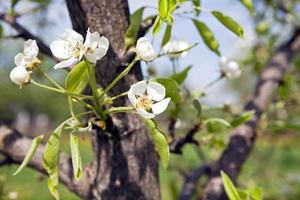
point(138, 88)
point(61, 49)
point(97, 55)
point(71, 36)
point(31, 50)
point(19, 59)
point(223, 61)
point(67, 63)
point(161, 106)
point(145, 49)
point(145, 114)
point(156, 91)
point(91, 57)
point(232, 70)
point(19, 75)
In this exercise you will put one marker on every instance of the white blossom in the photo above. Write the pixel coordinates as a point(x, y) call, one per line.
point(19, 75)
point(230, 69)
point(145, 49)
point(28, 57)
point(148, 98)
point(175, 46)
point(70, 48)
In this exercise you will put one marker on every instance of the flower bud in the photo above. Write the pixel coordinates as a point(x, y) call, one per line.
point(19, 75)
point(230, 69)
point(145, 49)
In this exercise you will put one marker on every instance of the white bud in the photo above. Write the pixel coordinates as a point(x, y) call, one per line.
point(19, 75)
point(175, 46)
point(230, 69)
point(145, 49)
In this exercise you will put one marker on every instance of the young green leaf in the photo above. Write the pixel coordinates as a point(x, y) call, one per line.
point(242, 119)
point(181, 76)
point(207, 36)
point(172, 88)
point(255, 193)
point(229, 187)
point(50, 160)
point(132, 31)
point(198, 107)
point(76, 158)
point(157, 26)
point(248, 4)
point(30, 153)
point(229, 23)
point(163, 9)
point(217, 120)
point(197, 6)
point(167, 35)
point(77, 78)
point(160, 143)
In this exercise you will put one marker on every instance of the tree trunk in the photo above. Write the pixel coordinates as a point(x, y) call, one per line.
point(125, 164)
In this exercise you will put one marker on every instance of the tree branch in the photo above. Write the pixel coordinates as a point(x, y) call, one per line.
point(242, 138)
point(24, 33)
point(14, 147)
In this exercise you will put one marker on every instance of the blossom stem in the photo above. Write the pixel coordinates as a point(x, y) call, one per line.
point(119, 95)
point(213, 82)
point(120, 109)
point(92, 79)
point(173, 66)
point(121, 75)
point(49, 78)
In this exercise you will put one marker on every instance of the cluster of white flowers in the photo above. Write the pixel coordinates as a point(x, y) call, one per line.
point(229, 69)
point(148, 99)
point(25, 62)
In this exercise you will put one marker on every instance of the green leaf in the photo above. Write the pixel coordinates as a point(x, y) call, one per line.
point(229, 187)
point(197, 6)
point(181, 76)
point(14, 2)
point(245, 117)
point(157, 26)
point(248, 4)
point(207, 36)
point(216, 125)
point(132, 31)
point(30, 153)
point(160, 142)
point(198, 107)
point(229, 23)
point(167, 35)
point(163, 8)
point(172, 88)
point(50, 160)
point(255, 193)
point(1, 31)
point(77, 78)
point(76, 158)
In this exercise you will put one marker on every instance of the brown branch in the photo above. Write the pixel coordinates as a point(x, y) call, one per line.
point(24, 33)
point(177, 144)
point(145, 26)
point(242, 138)
point(14, 146)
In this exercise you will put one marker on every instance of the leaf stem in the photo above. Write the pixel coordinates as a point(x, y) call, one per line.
point(120, 109)
point(119, 95)
point(49, 78)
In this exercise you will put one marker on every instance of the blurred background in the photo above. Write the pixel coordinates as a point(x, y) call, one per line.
point(274, 162)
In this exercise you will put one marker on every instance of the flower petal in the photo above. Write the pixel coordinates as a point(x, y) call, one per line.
point(31, 50)
point(71, 36)
point(145, 114)
point(156, 91)
point(19, 59)
point(61, 49)
point(19, 75)
point(161, 106)
point(67, 63)
point(138, 88)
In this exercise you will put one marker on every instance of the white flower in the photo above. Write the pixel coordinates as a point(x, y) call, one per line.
point(148, 98)
point(28, 57)
point(175, 46)
point(19, 75)
point(70, 48)
point(230, 69)
point(145, 49)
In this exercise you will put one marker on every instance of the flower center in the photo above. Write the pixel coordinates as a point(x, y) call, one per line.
point(144, 102)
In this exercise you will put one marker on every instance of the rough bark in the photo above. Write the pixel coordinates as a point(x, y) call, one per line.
point(125, 163)
point(243, 138)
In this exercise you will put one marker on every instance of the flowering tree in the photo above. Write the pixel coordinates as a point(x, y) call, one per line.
point(121, 105)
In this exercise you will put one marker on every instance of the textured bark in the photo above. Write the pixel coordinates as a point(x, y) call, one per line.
point(125, 163)
point(243, 138)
